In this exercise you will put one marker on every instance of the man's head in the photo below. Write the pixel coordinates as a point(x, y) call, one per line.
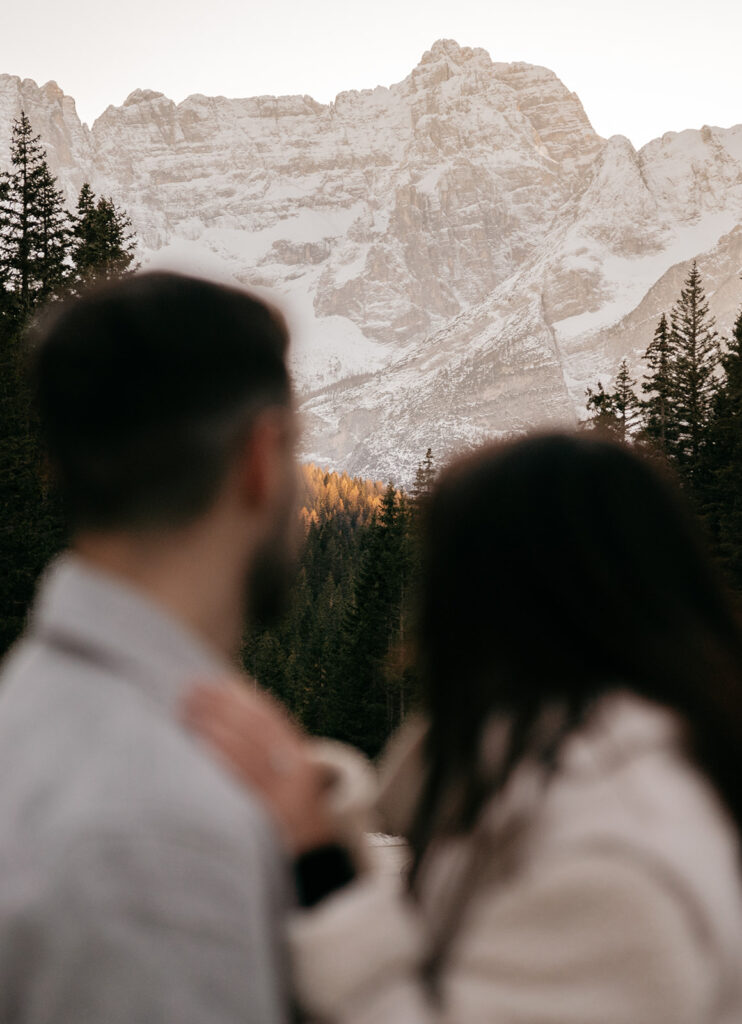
point(156, 393)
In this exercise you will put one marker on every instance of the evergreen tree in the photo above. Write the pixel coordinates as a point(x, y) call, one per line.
point(693, 374)
point(85, 201)
point(84, 248)
point(723, 462)
point(34, 233)
point(307, 660)
point(424, 477)
point(625, 406)
point(35, 267)
point(658, 388)
point(6, 294)
point(104, 245)
point(30, 519)
point(601, 413)
point(54, 240)
point(615, 412)
point(368, 705)
point(33, 260)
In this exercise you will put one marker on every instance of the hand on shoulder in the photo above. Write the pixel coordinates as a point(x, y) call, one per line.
point(254, 736)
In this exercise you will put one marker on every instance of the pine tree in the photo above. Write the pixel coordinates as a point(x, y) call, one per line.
point(657, 388)
point(33, 261)
point(368, 703)
point(35, 267)
point(601, 409)
point(55, 236)
point(617, 412)
point(316, 659)
point(6, 294)
point(601, 413)
point(624, 403)
point(104, 243)
point(723, 462)
point(117, 240)
point(84, 248)
point(30, 518)
point(424, 477)
point(34, 233)
point(693, 373)
point(85, 201)
point(17, 215)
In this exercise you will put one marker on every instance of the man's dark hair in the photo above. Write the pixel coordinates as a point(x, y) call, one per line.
point(144, 387)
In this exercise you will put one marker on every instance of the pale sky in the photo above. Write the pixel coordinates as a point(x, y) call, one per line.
point(640, 67)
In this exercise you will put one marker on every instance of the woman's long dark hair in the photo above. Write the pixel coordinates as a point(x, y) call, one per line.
point(557, 568)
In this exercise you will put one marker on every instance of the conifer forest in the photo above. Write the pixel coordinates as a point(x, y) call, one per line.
point(340, 657)
point(687, 414)
point(47, 253)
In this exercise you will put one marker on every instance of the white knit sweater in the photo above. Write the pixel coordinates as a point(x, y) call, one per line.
point(625, 906)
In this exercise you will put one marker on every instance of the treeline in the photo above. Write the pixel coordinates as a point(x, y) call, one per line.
point(46, 254)
point(687, 412)
point(339, 658)
point(47, 251)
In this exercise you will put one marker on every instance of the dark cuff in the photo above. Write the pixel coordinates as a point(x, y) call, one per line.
point(320, 872)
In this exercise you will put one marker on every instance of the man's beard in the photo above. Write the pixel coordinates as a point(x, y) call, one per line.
point(272, 575)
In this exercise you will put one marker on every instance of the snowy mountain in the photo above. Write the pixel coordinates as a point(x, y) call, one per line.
point(459, 254)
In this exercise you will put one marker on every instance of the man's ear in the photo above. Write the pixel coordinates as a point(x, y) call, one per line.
point(262, 461)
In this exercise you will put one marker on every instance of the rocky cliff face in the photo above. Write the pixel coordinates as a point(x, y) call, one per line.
point(460, 253)
point(53, 117)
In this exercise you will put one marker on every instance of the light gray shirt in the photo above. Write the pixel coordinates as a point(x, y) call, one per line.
point(138, 882)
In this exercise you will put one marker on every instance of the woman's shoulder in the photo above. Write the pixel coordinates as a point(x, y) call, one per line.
point(627, 786)
point(628, 773)
point(629, 830)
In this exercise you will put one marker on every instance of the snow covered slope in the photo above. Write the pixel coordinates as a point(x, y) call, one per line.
point(459, 254)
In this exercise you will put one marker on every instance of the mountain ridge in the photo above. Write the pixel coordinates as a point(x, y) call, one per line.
point(458, 253)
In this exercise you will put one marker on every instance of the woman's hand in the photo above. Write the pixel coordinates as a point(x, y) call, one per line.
point(255, 737)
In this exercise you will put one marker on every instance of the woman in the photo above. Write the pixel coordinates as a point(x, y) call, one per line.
point(571, 795)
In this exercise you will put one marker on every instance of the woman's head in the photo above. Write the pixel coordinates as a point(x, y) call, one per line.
point(557, 567)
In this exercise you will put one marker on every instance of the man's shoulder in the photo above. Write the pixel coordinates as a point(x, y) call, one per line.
point(85, 754)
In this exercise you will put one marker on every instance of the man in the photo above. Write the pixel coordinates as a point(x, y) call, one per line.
point(138, 883)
